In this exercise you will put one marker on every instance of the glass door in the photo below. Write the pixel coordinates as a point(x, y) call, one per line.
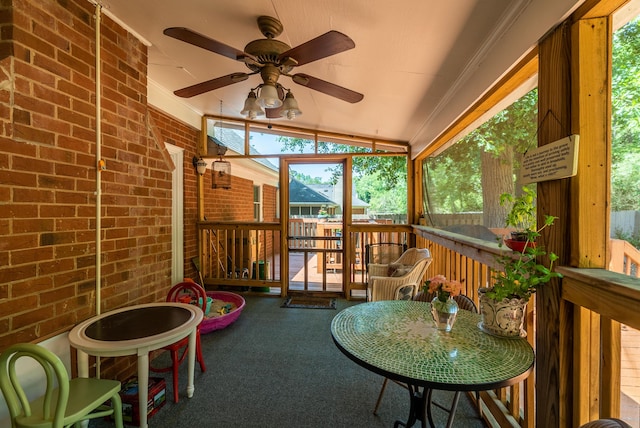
point(315, 227)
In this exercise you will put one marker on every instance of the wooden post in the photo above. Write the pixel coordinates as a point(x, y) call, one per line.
point(591, 193)
point(553, 371)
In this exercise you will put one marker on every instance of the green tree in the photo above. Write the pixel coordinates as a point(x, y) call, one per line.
point(473, 173)
point(306, 179)
point(625, 122)
point(372, 188)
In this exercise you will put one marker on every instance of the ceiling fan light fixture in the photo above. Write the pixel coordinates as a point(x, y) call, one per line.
point(269, 96)
point(251, 107)
point(290, 108)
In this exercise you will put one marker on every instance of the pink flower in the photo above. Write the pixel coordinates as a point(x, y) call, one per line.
point(444, 287)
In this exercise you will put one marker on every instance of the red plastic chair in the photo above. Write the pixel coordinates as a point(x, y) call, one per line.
point(178, 293)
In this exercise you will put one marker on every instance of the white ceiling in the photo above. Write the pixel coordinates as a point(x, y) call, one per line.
point(419, 63)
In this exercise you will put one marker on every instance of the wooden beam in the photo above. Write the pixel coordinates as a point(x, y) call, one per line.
point(597, 8)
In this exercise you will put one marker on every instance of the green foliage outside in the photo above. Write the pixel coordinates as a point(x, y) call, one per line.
point(625, 126)
point(304, 178)
point(455, 177)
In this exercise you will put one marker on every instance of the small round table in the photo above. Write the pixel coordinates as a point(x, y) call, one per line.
point(137, 330)
point(397, 339)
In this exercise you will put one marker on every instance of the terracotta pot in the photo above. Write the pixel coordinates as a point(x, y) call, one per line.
point(518, 246)
point(504, 318)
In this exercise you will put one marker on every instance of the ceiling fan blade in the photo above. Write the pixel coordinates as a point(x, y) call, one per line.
point(210, 85)
point(204, 42)
point(327, 88)
point(328, 44)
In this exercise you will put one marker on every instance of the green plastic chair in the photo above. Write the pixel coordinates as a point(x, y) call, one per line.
point(65, 402)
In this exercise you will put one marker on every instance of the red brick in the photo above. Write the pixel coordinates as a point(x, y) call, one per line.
point(53, 266)
point(35, 315)
point(28, 133)
point(55, 182)
point(31, 255)
point(52, 95)
point(43, 166)
point(34, 74)
point(59, 293)
point(25, 179)
point(74, 90)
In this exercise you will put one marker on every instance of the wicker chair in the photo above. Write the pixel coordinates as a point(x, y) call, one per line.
point(399, 280)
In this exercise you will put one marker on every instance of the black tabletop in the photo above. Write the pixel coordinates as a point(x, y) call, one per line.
point(138, 323)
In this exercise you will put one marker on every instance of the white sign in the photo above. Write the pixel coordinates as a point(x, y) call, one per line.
point(551, 162)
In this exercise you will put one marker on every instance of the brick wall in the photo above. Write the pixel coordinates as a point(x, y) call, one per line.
point(169, 130)
point(48, 173)
point(235, 204)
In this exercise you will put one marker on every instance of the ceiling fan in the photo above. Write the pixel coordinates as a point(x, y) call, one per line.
point(270, 58)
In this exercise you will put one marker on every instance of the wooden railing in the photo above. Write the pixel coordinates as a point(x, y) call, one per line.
point(599, 300)
point(364, 234)
point(625, 258)
point(240, 254)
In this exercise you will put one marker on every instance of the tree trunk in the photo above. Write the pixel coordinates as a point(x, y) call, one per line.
point(497, 178)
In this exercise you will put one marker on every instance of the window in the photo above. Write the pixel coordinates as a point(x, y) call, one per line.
point(257, 205)
point(464, 182)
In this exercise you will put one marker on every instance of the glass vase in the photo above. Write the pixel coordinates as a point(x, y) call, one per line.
point(444, 313)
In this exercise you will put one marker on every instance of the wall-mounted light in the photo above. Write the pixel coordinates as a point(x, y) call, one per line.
point(200, 165)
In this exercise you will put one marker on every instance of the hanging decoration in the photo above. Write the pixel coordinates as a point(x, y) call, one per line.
point(220, 169)
point(221, 174)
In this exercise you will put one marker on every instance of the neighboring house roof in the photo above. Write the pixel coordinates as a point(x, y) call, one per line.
point(302, 194)
point(331, 192)
point(232, 141)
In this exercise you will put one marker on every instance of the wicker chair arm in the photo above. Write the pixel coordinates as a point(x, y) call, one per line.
point(376, 269)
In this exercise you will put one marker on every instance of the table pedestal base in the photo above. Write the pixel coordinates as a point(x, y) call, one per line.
point(417, 409)
point(420, 408)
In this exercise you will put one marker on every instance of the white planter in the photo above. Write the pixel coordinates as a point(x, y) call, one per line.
point(504, 318)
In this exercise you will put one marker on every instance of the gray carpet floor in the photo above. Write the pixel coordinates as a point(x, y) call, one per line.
point(279, 367)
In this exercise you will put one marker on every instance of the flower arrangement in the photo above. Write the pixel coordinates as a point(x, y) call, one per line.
point(442, 287)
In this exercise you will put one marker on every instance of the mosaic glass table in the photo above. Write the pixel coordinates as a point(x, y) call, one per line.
point(397, 339)
point(137, 330)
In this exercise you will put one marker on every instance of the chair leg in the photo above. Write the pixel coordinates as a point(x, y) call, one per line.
point(116, 402)
point(199, 354)
point(384, 385)
point(175, 360)
point(452, 411)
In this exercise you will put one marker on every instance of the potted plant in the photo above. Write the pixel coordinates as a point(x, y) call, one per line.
point(503, 305)
point(522, 218)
